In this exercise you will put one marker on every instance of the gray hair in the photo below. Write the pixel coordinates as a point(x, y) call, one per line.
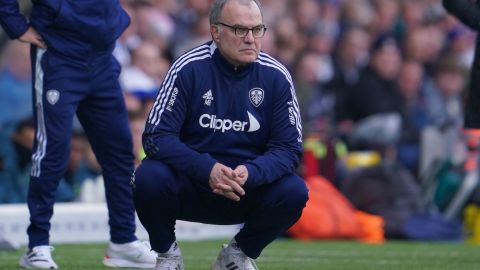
point(218, 5)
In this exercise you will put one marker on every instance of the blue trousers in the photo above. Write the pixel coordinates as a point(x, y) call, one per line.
point(162, 196)
point(89, 88)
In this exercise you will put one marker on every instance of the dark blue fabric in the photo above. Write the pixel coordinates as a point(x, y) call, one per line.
point(433, 227)
point(163, 196)
point(90, 89)
point(75, 29)
point(208, 110)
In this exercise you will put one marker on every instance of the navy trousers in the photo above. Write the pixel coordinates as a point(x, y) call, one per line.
point(89, 88)
point(162, 196)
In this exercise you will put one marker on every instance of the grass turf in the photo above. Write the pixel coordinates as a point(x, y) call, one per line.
point(294, 255)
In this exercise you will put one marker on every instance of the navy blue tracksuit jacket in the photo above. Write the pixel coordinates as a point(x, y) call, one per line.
point(76, 74)
point(208, 110)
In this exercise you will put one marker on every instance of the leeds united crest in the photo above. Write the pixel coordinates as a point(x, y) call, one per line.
point(53, 96)
point(256, 96)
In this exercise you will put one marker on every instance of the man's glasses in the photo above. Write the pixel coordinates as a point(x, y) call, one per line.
point(242, 31)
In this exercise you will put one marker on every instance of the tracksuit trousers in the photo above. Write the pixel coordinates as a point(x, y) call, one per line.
point(162, 196)
point(89, 88)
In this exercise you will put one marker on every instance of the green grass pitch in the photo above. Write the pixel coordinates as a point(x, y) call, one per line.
point(286, 254)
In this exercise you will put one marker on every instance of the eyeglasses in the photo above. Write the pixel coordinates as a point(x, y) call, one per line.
point(242, 31)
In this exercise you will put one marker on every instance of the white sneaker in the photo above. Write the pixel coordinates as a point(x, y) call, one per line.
point(233, 258)
point(170, 260)
point(169, 263)
point(136, 254)
point(40, 257)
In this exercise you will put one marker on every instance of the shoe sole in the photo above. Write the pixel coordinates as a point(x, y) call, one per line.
point(119, 263)
point(25, 264)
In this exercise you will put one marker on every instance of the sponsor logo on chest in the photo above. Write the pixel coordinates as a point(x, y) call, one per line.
point(212, 122)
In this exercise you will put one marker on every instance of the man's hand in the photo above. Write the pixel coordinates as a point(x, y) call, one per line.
point(225, 182)
point(32, 36)
point(241, 173)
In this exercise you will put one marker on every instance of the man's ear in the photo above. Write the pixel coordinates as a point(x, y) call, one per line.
point(215, 32)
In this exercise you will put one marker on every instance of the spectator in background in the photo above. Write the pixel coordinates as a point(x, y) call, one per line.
point(155, 26)
point(15, 84)
point(461, 44)
point(241, 169)
point(412, 14)
point(424, 44)
point(358, 13)
point(415, 117)
point(143, 76)
point(375, 91)
point(387, 14)
point(289, 40)
point(75, 72)
point(130, 38)
point(314, 95)
point(445, 107)
point(350, 58)
point(15, 153)
point(192, 26)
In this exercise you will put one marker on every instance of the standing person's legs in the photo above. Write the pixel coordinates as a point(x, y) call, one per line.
point(104, 118)
point(54, 106)
point(57, 88)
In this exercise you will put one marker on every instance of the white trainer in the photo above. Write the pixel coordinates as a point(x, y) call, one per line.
point(231, 257)
point(170, 260)
point(136, 254)
point(39, 257)
point(169, 263)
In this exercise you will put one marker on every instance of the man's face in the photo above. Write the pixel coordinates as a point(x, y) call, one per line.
point(238, 50)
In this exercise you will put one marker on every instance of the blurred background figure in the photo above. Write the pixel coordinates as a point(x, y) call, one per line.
point(15, 84)
point(15, 152)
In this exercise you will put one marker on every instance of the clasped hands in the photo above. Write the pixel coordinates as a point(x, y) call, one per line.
point(227, 182)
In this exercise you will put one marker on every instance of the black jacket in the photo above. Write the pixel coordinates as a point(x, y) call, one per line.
point(468, 12)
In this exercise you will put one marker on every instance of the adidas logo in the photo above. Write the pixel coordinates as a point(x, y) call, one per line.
point(208, 97)
point(231, 266)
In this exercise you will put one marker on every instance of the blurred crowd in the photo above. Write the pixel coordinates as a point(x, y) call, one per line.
point(370, 75)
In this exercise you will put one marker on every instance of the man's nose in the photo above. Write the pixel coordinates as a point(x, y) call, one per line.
point(249, 37)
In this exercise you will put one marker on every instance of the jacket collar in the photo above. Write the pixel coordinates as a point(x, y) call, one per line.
point(226, 67)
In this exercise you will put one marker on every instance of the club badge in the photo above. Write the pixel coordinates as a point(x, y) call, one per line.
point(53, 96)
point(256, 96)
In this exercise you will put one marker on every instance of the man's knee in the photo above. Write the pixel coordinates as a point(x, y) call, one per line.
point(291, 192)
point(153, 177)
